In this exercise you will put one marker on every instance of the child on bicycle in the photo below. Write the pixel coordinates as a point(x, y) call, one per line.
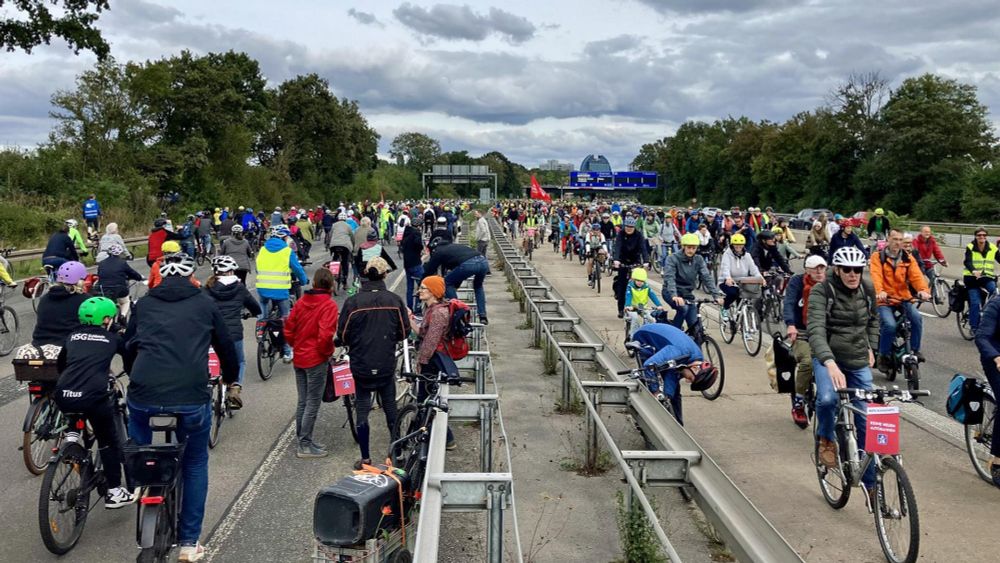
point(637, 297)
point(662, 343)
point(84, 365)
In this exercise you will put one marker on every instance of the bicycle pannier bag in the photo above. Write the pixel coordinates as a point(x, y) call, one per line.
point(784, 365)
point(965, 399)
point(956, 298)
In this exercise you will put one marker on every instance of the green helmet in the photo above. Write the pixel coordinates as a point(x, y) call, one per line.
point(690, 239)
point(93, 311)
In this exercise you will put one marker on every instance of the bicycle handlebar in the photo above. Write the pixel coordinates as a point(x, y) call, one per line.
point(440, 377)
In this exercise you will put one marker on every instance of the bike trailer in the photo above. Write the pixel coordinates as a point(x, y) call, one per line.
point(965, 399)
point(357, 507)
point(784, 365)
point(36, 364)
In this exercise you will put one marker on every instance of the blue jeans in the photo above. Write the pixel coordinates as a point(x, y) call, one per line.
point(193, 426)
point(206, 243)
point(975, 306)
point(475, 268)
point(56, 262)
point(413, 277)
point(685, 313)
point(671, 388)
point(188, 248)
point(243, 360)
point(826, 406)
point(284, 307)
point(731, 293)
point(887, 328)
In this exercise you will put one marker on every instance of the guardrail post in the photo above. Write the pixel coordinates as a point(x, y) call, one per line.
point(592, 447)
point(567, 376)
point(480, 375)
point(494, 536)
point(486, 437)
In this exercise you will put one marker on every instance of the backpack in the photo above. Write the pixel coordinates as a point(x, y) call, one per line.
point(829, 296)
point(455, 343)
point(186, 231)
point(965, 399)
point(957, 296)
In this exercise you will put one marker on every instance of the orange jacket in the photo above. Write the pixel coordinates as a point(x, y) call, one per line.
point(155, 278)
point(897, 279)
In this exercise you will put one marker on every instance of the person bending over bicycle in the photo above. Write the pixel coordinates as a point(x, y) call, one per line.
point(894, 271)
point(683, 269)
point(84, 366)
point(842, 323)
point(988, 343)
point(637, 297)
point(629, 249)
point(662, 343)
point(736, 264)
point(794, 314)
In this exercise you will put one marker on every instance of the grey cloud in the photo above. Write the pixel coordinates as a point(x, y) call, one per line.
point(708, 6)
point(364, 17)
point(450, 21)
point(612, 46)
point(141, 11)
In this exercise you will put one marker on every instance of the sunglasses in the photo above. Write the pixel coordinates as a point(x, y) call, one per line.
point(853, 269)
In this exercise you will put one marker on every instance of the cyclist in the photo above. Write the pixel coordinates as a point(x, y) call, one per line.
point(60, 249)
point(5, 270)
point(169, 247)
point(110, 237)
point(766, 254)
point(594, 246)
point(637, 296)
point(736, 265)
point(928, 251)
point(988, 343)
point(894, 271)
point(663, 343)
point(878, 225)
point(238, 248)
point(818, 240)
point(629, 250)
point(76, 237)
point(187, 236)
point(846, 237)
point(462, 262)
point(740, 227)
point(166, 356)
point(276, 263)
point(842, 324)
point(92, 214)
point(84, 364)
point(680, 276)
point(372, 323)
point(979, 272)
point(204, 232)
point(113, 274)
point(231, 297)
point(342, 242)
point(58, 309)
point(796, 303)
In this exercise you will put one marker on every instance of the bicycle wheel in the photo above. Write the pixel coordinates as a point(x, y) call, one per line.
point(962, 320)
point(404, 452)
point(266, 356)
point(43, 434)
point(979, 437)
point(349, 407)
point(712, 353)
point(8, 330)
point(912, 374)
point(63, 504)
point(939, 297)
point(218, 412)
point(159, 520)
point(531, 248)
point(896, 519)
point(751, 331)
point(835, 487)
point(597, 277)
point(654, 261)
point(727, 328)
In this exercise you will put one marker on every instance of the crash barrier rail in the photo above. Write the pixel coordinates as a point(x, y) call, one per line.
point(486, 491)
point(677, 461)
point(28, 254)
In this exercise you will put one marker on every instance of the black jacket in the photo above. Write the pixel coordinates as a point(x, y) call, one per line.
point(371, 324)
point(768, 257)
point(231, 300)
point(61, 246)
point(450, 256)
point(84, 364)
point(443, 233)
point(113, 274)
point(413, 247)
point(58, 315)
point(630, 250)
point(167, 342)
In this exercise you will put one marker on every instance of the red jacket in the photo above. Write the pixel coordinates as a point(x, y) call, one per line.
point(310, 328)
point(928, 250)
point(156, 240)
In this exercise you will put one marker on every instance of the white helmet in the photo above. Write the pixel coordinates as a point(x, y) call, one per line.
point(71, 223)
point(849, 256)
point(177, 264)
point(222, 264)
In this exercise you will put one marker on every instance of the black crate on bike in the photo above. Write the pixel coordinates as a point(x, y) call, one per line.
point(153, 465)
point(45, 371)
point(351, 510)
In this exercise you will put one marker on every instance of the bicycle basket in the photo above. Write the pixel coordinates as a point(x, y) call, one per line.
point(153, 466)
point(750, 291)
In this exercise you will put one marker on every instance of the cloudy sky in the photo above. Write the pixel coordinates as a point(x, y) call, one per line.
point(538, 80)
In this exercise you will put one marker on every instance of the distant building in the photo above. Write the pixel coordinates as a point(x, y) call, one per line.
point(556, 165)
point(595, 164)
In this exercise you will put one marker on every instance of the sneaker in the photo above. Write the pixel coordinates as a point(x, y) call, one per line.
point(725, 315)
point(920, 356)
point(191, 552)
point(621, 314)
point(451, 445)
point(287, 358)
point(828, 453)
point(661, 397)
point(233, 398)
point(360, 462)
point(118, 497)
point(590, 283)
point(799, 416)
point(484, 321)
point(310, 450)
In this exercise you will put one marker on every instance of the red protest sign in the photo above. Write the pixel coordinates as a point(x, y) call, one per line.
point(213, 363)
point(343, 381)
point(882, 432)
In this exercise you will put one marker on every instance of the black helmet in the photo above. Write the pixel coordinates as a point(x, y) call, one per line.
point(436, 242)
point(705, 375)
point(766, 234)
point(159, 223)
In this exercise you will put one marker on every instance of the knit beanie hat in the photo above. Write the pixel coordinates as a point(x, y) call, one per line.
point(434, 284)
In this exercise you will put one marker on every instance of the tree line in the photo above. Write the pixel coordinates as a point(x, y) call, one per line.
point(925, 149)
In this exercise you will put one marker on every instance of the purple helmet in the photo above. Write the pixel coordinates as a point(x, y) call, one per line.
point(71, 273)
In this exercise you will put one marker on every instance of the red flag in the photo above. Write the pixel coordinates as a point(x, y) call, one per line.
point(537, 192)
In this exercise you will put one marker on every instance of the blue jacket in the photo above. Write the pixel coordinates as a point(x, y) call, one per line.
point(838, 241)
point(691, 225)
point(275, 244)
point(247, 220)
point(987, 335)
point(748, 233)
point(792, 305)
point(671, 343)
point(91, 209)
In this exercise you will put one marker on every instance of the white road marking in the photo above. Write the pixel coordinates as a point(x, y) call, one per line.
point(399, 278)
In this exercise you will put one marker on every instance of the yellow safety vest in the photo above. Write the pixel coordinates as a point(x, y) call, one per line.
point(640, 295)
point(983, 262)
point(616, 220)
point(273, 271)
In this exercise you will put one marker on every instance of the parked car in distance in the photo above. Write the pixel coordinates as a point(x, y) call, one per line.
point(806, 217)
point(859, 220)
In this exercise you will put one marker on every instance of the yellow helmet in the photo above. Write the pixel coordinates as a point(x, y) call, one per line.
point(639, 274)
point(170, 247)
point(738, 239)
point(777, 229)
point(690, 239)
point(880, 211)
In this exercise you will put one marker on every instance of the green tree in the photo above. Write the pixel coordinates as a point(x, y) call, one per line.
point(415, 150)
point(33, 24)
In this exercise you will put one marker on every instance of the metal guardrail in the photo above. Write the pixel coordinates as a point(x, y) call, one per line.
point(28, 254)
point(678, 461)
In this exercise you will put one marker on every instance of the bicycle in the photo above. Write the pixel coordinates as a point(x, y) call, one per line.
point(939, 291)
point(962, 316)
point(270, 342)
point(638, 373)
point(9, 323)
point(654, 255)
point(200, 255)
point(772, 302)
point(37, 289)
point(72, 474)
point(895, 502)
point(600, 258)
point(979, 437)
point(43, 423)
point(529, 242)
point(157, 469)
point(710, 350)
point(902, 357)
point(743, 318)
point(412, 430)
point(220, 408)
point(404, 391)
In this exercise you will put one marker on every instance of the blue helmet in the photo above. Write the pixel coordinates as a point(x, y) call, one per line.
point(629, 222)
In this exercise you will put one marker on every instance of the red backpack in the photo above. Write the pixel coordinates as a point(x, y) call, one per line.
point(455, 343)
